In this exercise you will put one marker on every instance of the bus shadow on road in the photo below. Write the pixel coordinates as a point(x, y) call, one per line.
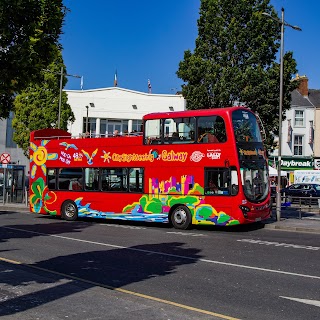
point(40, 228)
point(233, 229)
point(33, 285)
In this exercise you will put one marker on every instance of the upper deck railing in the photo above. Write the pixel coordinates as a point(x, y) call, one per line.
point(87, 135)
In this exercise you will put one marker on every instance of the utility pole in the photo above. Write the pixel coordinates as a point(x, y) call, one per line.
point(60, 94)
point(283, 23)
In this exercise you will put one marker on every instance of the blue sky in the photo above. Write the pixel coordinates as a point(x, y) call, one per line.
point(146, 39)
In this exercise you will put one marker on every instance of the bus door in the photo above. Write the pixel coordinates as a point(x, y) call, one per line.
point(221, 184)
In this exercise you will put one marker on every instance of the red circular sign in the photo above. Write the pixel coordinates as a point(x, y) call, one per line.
point(5, 158)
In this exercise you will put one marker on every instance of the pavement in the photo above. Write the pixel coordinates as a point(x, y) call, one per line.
point(295, 219)
point(292, 218)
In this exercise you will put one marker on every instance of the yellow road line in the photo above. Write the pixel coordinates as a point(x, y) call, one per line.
point(179, 305)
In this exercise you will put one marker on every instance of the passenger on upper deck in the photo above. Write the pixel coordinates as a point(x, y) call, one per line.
point(116, 133)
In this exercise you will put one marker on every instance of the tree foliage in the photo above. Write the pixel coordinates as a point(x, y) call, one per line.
point(37, 107)
point(234, 61)
point(29, 31)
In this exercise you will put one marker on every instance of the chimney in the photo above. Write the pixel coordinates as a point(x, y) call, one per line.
point(303, 85)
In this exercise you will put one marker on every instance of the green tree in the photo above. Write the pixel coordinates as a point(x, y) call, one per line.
point(29, 31)
point(234, 61)
point(37, 107)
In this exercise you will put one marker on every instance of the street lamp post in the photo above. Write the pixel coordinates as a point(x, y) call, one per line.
point(87, 119)
point(60, 96)
point(60, 92)
point(283, 23)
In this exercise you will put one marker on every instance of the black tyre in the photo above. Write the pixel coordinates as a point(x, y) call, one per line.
point(69, 211)
point(181, 218)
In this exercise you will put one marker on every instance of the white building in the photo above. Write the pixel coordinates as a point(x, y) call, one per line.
point(101, 111)
point(300, 147)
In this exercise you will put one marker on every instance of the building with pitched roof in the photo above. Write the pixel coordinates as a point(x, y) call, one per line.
point(301, 131)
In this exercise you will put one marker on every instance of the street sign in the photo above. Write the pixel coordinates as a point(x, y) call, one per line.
point(5, 158)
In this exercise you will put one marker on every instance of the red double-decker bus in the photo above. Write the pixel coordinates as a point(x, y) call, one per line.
point(188, 167)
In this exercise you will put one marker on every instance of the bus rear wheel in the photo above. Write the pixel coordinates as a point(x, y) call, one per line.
point(69, 211)
point(181, 218)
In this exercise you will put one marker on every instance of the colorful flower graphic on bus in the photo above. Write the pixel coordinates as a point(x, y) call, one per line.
point(41, 197)
point(40, 156)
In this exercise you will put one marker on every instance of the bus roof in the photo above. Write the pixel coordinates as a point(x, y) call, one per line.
point(49, 133)
point(190, 113)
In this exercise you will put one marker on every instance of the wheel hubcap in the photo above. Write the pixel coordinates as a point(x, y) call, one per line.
point(70, 211)
point(180, 217)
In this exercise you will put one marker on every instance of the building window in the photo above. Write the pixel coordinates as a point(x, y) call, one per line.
point(108, 126)
point(299, 118)
point(137, 125)
point(9, 132)
point(91, 125)
point(297, 145)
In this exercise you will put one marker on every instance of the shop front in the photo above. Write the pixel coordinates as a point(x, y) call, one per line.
point(290, 164)
point(12, 183)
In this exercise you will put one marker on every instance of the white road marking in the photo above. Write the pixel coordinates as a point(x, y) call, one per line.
point(280, 244)
point(121, 226)
point(170, 255)
point(306, 301)
point(187, 234)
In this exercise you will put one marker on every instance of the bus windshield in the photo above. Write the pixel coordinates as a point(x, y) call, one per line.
point(254, 177)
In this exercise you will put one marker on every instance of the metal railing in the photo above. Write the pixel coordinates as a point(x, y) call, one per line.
point(22, 196)
point(302, 204)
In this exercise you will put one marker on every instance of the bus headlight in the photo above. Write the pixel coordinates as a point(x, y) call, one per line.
point(244, 210)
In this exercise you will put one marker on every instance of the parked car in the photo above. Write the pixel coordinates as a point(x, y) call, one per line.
point(298, 190)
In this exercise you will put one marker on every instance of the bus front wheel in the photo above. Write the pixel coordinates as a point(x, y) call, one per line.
point(69, 211)
point(181, 218)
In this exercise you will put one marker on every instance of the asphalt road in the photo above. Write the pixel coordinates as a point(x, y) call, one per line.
point(91, 269)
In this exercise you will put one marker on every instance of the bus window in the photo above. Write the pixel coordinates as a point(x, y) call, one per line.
point(136, 179)
point(220, 129)
point(51, 178)
point(69, 178)
point(220, 181)
point(211, 130)
point(245, 126)
point(234, 182)
point(186, 128)
point(91, 179)
point(179, 130)
point(153, 131)
point(114, 179)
